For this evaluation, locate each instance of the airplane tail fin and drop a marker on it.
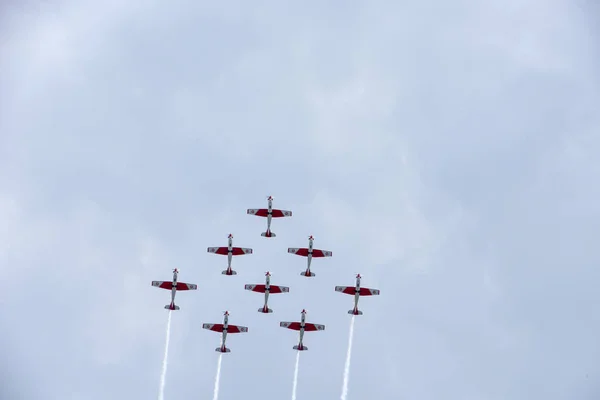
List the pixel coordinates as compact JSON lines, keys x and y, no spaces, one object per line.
{"x":300,"y":348}
{"x":268,"y":234}
{"x":229,"y":272}
{"x":265,"y":310}
{"x":355,"y":312}
{"x":307,"y":274}
{"x":220,"y":350}
{"x":172,"y":307}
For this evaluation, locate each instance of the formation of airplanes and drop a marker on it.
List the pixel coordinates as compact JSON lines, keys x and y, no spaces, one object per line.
{"x":267,"y":288}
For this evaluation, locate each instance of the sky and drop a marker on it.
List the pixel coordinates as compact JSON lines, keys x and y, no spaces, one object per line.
{"x":447,"y":152}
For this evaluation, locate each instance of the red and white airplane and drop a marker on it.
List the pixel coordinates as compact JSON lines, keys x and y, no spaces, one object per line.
{"x":229,"y":251}
{"x":174,"y":286}
{"x":357,"y":291}
{"x":302,"y":326}
{"x":225,"y":328}
{"x":310,"y":253}
{"x":269,"y":212}
{"x":266,"y":289}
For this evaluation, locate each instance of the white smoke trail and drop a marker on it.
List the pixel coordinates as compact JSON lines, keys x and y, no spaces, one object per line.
{"x":295,"y":385}
{"x":218,"y":378}
{"x":163,"y":374}
{"x":347,"y":366}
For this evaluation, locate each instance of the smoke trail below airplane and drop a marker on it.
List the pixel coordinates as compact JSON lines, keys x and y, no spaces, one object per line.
{"x":218,"y":378}
{"x":163,"y":374}
{"x":347,"y":366}
{"x":295,"y":385}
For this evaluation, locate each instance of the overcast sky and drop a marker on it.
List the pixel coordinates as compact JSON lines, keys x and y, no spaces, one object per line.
{"x":447,"y":151}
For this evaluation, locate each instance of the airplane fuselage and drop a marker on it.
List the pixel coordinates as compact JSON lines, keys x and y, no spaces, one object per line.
{"x":267,"y":290}
{"x":356,"y":294}
{"x":174,"y":288}
{"x":356,"y":297}
{"x":309,"y":256}
{"x":225,"y":327}
{"x":310,"y":251}
{"x":229,"y":254}
{"x":269,"y":215}
{"x":300,"y":345}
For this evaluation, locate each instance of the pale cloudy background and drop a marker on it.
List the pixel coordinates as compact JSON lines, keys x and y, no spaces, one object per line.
{"x":445,"y":150}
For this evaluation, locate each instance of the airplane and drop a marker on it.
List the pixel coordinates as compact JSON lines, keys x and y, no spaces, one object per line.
{"x":174,"y":286}
{"x":302,"y":327}
{"x":225,"y":328}
{"x":266,"y":289}
{"x":310,"y":253}
{"x":229,"y":251}
{"x":269,"y":212}
{"x":357,"y":291}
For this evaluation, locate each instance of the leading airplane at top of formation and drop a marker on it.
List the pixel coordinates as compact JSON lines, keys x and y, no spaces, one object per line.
{"x":266,"y":289}
{"x":229,"y":251}
{"x":302,"y":326}
{"x":269,"y":212}
{"x":309,"y":252}
{"x":173,"y":286}
{"x":357,"y":291}
{"x":225,"y":328}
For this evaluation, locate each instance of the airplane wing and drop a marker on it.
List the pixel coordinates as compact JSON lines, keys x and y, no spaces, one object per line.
{"x":259,"y":212}
{"x":313,"y":327}
{"x":163,"y":284}
{"x":186,"y":286}
{"x":218,"y":250}
{"x":238,"y":251}
{"x":235,"y":251}
{"x":236,"y":329}
{"x":290,"y":325}
{"x":279,"y":289}
{"x":303,"y":251}
{"x":368,"y":292}
{"x":346,"y":289}
{"x":255,"y":288}
{"x":274,"y":289}
{"x":321,"y":253}
{"x":280,"y":213}
{"x":352,"y":290}
{"x":213,"y":327}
